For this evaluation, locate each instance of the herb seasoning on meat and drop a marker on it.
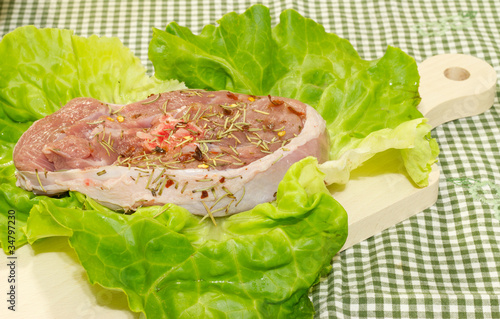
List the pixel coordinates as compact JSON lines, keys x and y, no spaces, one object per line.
{"x":214,"y":153}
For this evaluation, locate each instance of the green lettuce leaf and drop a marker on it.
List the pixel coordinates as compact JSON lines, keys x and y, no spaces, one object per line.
{"x":412,"y":138}
{"x":297,"y":58}
{"x":171,"y":264}
{"x":41,"y":70}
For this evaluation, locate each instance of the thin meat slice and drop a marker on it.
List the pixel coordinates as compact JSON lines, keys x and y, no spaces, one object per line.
{"x":213,"y":153}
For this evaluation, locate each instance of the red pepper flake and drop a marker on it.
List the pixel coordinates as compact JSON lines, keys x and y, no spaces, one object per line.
{"x":204,"y":194}
{"x":184,"y":157}
{"x":169,"y":183}
{"x":294,"y":111}
{"x":275,"y":102}
{"x":222,"y":179}
{"x":231,"y":95}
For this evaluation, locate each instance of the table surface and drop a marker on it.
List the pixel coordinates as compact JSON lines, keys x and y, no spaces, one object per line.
{"x":445,"y":261}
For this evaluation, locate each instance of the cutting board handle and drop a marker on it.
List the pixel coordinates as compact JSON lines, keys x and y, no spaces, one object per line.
{"x":454,"y":86}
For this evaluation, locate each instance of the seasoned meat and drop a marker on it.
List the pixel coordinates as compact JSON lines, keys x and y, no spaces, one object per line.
{"x":211,"y":152}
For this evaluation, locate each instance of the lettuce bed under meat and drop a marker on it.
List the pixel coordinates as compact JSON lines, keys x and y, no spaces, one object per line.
{"x":260,"y":263}
{"x":256,"y":264}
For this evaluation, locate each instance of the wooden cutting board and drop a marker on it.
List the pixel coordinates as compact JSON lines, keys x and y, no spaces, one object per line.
{"x":452,"y":86}
{"x":51,"y":283}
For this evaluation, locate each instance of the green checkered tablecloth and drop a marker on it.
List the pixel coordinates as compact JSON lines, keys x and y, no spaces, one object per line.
{"x":445,"y":261}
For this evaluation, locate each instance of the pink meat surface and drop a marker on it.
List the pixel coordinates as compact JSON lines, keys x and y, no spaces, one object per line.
{"x":211,"y":152}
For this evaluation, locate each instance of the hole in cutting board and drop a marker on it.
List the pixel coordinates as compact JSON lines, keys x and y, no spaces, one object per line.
{"x":456,"y":73}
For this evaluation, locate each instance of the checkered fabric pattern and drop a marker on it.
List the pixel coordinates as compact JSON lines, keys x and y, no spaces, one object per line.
{"x":445,"y":261}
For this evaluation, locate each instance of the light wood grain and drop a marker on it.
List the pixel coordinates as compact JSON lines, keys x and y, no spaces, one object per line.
{"x":377,"y":202}
{"x":52,"y":284}
{"x":454,"y":86}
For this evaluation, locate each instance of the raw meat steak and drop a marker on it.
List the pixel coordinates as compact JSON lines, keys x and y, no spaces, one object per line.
{"x":213,"y":153}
